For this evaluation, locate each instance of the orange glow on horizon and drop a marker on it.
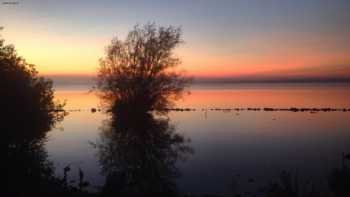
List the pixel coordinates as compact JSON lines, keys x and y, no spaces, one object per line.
{"x":79,"y":55}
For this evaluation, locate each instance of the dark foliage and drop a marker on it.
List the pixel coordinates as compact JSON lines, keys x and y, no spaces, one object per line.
{"x":139,"y":71}
{"x":289,"y":185}
{"x":339,"y":179}
{"x":27,"y":100}
{"x":28,"y":112}
{"x":138,"y":152}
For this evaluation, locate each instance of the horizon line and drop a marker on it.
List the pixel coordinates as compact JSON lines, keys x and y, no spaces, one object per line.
{"x":85,"y":79}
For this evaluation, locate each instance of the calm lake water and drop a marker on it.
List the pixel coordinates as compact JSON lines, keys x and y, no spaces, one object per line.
{"x":228,"y":146}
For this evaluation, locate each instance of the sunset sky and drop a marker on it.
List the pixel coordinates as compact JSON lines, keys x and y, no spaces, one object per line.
{"x":255,"y":38}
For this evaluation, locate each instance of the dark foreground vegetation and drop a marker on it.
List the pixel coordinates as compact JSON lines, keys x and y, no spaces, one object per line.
{"x":28,"y":112}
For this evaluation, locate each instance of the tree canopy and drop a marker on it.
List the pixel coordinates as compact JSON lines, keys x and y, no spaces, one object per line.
{"x":27,"y":100}
{"x":139,"y":71}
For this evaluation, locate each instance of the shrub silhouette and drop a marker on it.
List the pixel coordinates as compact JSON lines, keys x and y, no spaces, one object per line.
{"x":27,"y":100}
{"x":138,"y":151}
{"x":139,"y":71}
{"x":28,"y":112}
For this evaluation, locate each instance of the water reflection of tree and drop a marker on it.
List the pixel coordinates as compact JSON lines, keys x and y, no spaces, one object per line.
{"x":138,"y":154}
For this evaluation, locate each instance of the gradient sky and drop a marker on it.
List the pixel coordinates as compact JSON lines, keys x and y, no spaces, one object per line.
{"x":222,"y":38}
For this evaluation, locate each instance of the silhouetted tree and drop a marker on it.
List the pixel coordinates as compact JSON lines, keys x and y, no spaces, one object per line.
{"x":138,"y":152}
{"x":139,"y":71}
{"x":27,"y":113}
{"x":22,"y":90}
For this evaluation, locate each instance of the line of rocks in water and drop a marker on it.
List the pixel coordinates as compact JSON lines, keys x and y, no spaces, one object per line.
{"x":265,"y":109}
{"x":291,"y":109}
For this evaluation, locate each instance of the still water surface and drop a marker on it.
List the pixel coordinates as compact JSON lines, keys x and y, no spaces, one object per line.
{"x":227,"y":145}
